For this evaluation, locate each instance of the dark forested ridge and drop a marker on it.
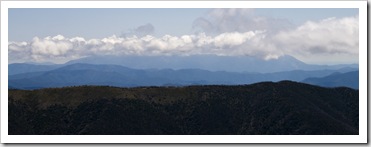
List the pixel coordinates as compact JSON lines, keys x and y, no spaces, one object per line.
{"x":265,"y":108}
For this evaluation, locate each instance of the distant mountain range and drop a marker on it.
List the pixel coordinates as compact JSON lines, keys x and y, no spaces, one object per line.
{"x":210,"y":62}
{"x":44,"y":76}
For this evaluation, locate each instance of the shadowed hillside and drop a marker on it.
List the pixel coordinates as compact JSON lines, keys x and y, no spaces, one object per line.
{"x":258,"y":109}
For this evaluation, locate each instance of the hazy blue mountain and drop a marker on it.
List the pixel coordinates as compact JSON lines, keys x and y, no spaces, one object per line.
{"x":348,"y":79}
{"x":18,"y":68}
{"x":77,"y":74}
{"x":209,"y":62}
{"x":116,"y":75}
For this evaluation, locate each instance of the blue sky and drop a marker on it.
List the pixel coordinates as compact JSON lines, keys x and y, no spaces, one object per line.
{"x":97,"y":23}
{"x":174,"y":31}
{"x":24,"y":24}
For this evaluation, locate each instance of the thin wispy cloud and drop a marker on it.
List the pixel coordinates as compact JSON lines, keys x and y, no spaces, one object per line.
{"x":240,"y":20}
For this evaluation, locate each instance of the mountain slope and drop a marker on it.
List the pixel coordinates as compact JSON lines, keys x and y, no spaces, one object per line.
{"x":348,"y":79}
{"x":258,"y":109}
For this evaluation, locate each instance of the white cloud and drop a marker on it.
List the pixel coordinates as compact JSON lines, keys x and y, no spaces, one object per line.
{"x":328,"y":36}
{"x":60,"y":47}
{"x":232,"y":39}
{"x":55,"y":46}
{"x":17,"y":46}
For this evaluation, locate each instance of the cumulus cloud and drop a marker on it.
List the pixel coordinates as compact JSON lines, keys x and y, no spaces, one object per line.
{"x":54,"y":46}
{"x":328,"y":36}
{"x":61,"y":48}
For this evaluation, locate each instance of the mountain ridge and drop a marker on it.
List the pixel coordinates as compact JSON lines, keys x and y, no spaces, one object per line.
{"x":266,"y":108}
{"x":116,"y":75}
{"x":209,"y":62}
{"x":349,"y":79}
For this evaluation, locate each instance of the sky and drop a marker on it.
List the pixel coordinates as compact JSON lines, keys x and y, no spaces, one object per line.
{"x":316,"y":36}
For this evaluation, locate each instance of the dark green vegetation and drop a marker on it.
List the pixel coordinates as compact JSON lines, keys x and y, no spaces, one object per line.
{"x":258,"y":109}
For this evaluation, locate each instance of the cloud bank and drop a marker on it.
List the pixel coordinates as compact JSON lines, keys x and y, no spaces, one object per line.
{"x":224,"y":32}
{"x":61,"y":48}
